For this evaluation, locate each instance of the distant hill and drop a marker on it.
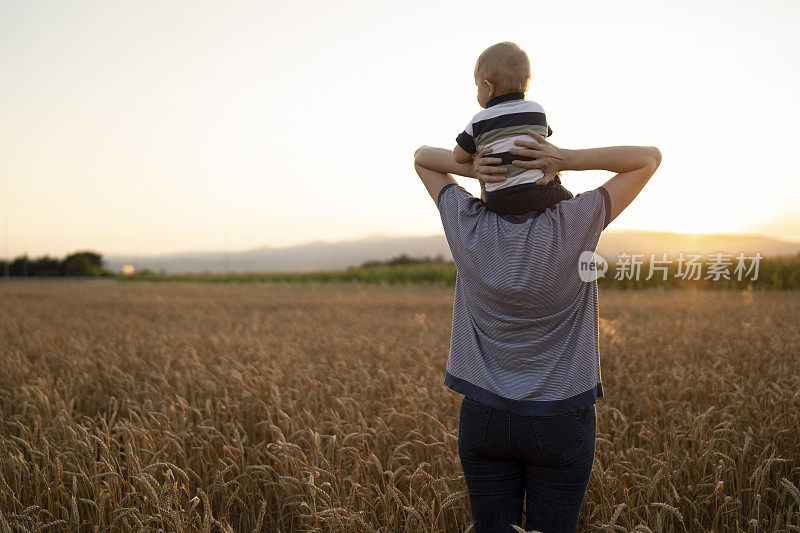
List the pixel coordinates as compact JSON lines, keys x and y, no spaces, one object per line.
{"x":613,"y":243}
{"x":319,"y":255}
{"x":322,"y":255}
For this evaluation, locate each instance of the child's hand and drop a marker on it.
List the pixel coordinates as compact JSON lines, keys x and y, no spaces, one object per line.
{"x":483,"y":191}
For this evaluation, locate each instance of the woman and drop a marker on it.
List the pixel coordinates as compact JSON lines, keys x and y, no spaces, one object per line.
{"x":524,"y":345}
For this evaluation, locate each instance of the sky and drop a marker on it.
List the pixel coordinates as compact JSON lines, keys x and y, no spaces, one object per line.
{"x":154,"y":127}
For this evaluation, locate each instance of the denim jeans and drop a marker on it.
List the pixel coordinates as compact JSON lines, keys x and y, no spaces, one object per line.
{"x":507,"y":457}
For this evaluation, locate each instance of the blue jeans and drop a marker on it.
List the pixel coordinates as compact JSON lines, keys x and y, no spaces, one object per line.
{"x":507,"y":457}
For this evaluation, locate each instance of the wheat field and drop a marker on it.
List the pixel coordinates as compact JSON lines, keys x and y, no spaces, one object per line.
{"x":258,"y":407}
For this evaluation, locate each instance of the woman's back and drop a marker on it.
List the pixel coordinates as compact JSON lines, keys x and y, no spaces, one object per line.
{"x":524,"y":348}
{"x":525,"y":327}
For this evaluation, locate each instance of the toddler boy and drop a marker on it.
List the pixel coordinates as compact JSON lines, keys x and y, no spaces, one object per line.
{"x":502,"y":75}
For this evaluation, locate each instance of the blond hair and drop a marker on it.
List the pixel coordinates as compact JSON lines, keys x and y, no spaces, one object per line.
{"x":506,"y":65}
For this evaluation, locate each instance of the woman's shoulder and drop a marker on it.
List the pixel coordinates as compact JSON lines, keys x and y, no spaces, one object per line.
{"x":455,"y":197}
{"x":589,"y":207}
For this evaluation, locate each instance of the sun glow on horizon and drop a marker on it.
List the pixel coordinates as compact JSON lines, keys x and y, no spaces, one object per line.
{"x":144,"y":131}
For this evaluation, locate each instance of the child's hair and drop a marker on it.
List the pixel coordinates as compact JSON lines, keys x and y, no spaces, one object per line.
{"x":506,"y":65}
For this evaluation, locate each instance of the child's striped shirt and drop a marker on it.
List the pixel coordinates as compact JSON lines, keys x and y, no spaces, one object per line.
{"x":505,"y":119}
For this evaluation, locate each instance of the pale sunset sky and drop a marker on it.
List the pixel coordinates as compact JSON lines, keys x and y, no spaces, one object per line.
{"x":152,"y":127}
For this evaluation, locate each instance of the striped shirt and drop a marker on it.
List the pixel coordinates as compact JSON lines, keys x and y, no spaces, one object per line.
{"x":525,"y":327}
{"x":505,"y":119}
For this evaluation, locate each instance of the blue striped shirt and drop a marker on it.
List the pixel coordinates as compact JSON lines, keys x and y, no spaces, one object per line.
{"x":525,"y":327}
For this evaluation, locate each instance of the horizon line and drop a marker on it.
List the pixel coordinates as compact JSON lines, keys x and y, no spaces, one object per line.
{"x":420,"y":235}
{"x":387,"y":236}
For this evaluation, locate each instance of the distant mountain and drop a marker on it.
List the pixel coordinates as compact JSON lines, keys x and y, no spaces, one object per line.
{"x":319,"y":255}
{"x":322,"y":255}
{"x":613,"y":243}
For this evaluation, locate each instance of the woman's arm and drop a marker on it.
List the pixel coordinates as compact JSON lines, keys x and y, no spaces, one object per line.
{"x":461,"y":155}
{"x":441,"y":160}
{"x":434,"y":166}
{"x":634,"y":165}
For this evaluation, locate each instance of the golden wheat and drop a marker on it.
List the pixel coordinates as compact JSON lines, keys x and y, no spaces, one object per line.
{"x":321,"y":408}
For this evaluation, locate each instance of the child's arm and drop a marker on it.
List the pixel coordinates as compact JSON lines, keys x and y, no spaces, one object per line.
{"x":465,"y":148}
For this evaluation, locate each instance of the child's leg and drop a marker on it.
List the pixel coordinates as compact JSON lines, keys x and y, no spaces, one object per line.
{"x":527,"y":197}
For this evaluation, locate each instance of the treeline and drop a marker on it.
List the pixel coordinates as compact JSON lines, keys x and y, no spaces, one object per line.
{"x":436,"y":273}
{"x":84,"y":263}
{"x":773,"y":274}
{"x":403,"y":260}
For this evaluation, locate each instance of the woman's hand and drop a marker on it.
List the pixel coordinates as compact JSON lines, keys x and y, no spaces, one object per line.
{"x":485,"y":168}
{"x":547,"y":157}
